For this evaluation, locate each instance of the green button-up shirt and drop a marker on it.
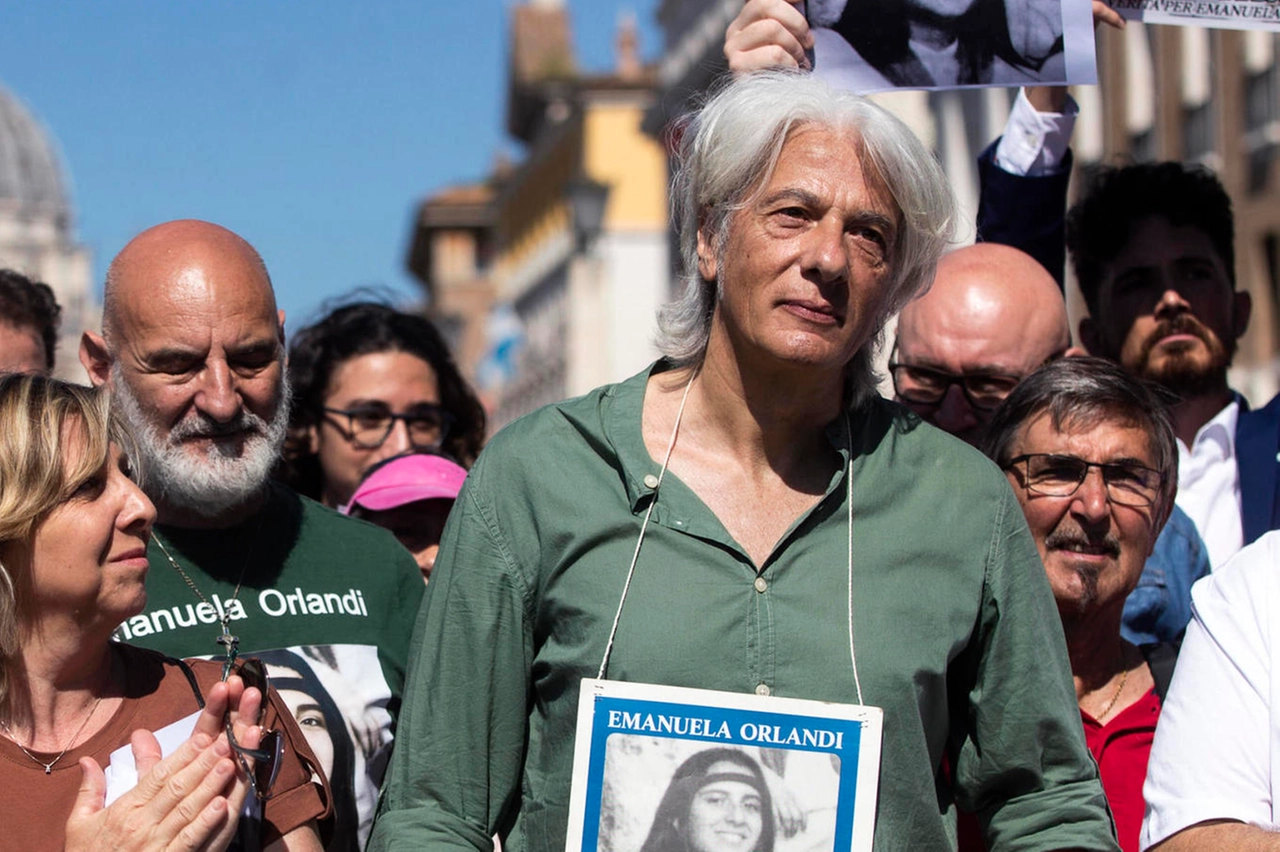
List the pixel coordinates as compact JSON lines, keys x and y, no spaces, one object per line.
{"x":956,"y":632}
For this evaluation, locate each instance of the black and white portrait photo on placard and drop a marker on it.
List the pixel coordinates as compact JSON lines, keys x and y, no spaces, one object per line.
{"x":944,"y":44}
{"x":672,"y":795}
{"x":670,"y":769}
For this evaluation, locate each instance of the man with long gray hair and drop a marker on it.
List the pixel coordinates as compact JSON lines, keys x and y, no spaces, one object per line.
{"x":735,"y":516}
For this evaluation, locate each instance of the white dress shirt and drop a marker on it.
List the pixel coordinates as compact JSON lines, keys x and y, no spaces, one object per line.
{"x":1034,"y":143}
{"x":1209,"y":485}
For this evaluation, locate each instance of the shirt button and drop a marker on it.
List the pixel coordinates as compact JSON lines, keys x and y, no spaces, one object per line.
{"x":650,"y":481}
{"x":762,"y":689}
{"x":761,"y":585}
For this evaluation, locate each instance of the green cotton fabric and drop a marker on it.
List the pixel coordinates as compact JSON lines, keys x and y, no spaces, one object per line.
{"x":956,"y":632}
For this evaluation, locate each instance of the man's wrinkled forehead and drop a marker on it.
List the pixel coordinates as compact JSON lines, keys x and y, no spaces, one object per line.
{"x":190,"y":272}
{"x":796,"y":141}
{"x":200,"y":304}
{"x":1070,"y":425}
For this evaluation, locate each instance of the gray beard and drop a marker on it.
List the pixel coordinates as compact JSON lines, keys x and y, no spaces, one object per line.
{"x":208,"y":484}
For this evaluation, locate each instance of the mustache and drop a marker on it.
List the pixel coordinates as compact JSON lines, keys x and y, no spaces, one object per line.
{"x":199,"y":426}
{"x":1064,"y":539}
{"x":1178,"y":324}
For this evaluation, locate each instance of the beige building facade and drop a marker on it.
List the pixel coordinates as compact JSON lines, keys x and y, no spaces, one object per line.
{"x":541,"y":303}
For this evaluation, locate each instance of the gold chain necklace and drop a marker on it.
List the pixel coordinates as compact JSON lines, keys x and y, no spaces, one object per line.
{"x":1116,"y":697}
{"x":226,"y":639}
{"x":48,"y":767}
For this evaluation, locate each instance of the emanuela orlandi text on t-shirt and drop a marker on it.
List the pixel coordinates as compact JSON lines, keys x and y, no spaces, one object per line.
{"x":270,"y":603}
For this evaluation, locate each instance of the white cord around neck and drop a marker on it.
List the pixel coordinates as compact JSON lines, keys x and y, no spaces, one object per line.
{"x":848,"y":499}
{"x":644,"y":526}
{"x":635,"y":557}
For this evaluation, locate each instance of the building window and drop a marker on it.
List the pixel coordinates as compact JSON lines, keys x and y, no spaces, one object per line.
{"x":1140,"y":91}
{"x":1197,"y":132}
{"x":1261,"y":124}
{"x":1142,"y":146}
{"x":1271,"y":258}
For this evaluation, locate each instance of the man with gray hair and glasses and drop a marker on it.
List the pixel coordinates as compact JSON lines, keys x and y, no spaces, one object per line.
{"x":790,"y":510}
{"x":1089,"y":450}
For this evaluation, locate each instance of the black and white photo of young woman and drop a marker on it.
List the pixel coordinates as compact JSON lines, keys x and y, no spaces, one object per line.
{"x":881,"y":44}
{"x":676,"y":795}
{"x":326,"y":731}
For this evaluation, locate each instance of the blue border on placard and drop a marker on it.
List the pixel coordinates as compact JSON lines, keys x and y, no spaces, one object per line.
{"x":736,"y":719}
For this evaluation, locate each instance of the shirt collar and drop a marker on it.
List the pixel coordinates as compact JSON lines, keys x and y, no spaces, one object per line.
{"x":1221,"y":431}
{"x":640,"y":471}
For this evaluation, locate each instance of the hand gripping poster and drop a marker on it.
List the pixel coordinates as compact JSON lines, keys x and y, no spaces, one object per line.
{"x":670,"y":769}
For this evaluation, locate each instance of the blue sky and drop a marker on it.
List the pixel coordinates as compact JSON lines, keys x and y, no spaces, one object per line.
{"x":311,"y":128}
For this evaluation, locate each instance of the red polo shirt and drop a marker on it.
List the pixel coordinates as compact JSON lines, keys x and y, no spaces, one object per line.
{"x":1121,"y":748}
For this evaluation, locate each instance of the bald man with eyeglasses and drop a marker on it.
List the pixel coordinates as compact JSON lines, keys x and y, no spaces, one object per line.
{"x":992,"y":316}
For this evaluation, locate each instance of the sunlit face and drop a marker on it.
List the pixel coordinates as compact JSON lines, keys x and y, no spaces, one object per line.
{"x":804,"y":273}
{"x":389,"y":381}
{"x":418,"y":526}
{"x":1167,"y":311}
{"x":21,"y":350}
{"x":199,"y":379}
{"x":1092,"y":547}
{"x":87,"y":558}
{"x":725,"y":815}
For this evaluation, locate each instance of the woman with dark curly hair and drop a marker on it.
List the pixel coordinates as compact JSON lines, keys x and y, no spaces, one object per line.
{"x":717,"y":801}
{"x":368,"y":383}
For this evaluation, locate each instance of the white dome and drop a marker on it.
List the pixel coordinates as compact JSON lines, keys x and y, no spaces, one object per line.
{"x":30,"y":179}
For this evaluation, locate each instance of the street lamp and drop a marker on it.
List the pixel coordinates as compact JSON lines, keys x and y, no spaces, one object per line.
{"x":587,"y":200}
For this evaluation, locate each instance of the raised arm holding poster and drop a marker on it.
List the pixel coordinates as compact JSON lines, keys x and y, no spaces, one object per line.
{"x":949,"y":44}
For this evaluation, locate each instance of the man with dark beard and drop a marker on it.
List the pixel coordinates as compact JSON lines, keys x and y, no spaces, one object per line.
{"x":192,"y":348}
{"x":1152,"y":247}
{"x":1091,"y":456}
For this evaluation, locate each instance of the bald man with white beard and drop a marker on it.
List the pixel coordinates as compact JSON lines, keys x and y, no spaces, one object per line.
{"x":192,"y":348}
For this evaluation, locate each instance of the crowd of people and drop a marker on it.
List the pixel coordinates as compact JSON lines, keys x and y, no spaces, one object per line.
{"x":1049,"y":566}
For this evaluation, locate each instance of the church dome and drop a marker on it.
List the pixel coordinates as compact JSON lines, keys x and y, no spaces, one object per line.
{"x":30,"y":181}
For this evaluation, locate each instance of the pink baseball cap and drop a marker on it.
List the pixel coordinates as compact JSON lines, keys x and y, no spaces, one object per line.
{"x":408,"y":479}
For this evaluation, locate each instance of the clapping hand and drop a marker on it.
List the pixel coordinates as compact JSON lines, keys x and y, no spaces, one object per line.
{"x":188,"y":800}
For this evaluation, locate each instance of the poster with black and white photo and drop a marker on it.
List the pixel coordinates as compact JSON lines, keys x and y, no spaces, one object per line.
{"x":671,"y":769}
{"x":877,"y":45}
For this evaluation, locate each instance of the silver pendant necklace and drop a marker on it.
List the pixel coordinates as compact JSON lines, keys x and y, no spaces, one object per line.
{"x":48,"y":767}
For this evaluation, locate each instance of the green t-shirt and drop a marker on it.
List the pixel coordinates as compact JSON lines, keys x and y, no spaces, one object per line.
{"x":328,"y":602}
{"x":957,"y":635}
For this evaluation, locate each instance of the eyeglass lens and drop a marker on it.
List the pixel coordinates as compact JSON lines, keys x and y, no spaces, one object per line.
{"x":370,"y":426}
{"x":928,"y":387}
{"x":266,"y":757}
{"x":1061,"y":476}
